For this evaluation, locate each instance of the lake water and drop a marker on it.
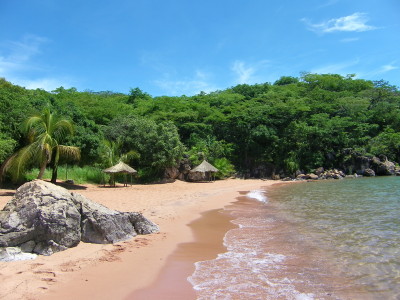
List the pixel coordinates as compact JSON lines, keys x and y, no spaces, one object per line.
{"x":336,"y":239}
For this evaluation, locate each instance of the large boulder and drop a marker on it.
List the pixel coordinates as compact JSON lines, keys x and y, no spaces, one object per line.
{"x":369,"y":173}
{"x":43,"y":213}
{"x":44,"y":218}
{"x":360,"y":164}
{"x":171,"y":173}
{"x":383,"y":166}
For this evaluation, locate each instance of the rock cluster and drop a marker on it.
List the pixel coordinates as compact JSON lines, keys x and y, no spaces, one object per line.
{"x":320,"y":173}
{"x":355,"y":162}
{"x":43,"y":218}
{"x":181,"y":172}
{"x":397,"y":171}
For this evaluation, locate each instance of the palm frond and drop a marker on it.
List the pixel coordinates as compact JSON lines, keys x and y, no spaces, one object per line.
{"x":69,"y":152}
{"x":34,"y":126}
{"x":17,"y":163}
{"x":131,"y":155}
{"x":62,"y":128}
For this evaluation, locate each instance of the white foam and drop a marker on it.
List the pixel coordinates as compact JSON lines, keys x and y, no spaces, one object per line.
{"x":302,"y":296}
{"x":258,"y":195}
{"x":14,"y":254}
{"x":247,"y":269}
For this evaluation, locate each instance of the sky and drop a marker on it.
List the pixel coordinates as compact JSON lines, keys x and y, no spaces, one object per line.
{"x":184,"y":47}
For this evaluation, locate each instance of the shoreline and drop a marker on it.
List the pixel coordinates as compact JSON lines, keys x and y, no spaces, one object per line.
{"x":208,"y":241}
{"x":118,"y":270}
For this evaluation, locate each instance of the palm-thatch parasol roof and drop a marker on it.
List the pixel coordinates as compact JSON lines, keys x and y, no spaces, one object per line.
{"x":120,"y":168}
{"x":205,"y":167}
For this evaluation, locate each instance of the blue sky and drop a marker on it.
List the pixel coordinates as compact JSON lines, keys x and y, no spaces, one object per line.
{"x":178,"y":47}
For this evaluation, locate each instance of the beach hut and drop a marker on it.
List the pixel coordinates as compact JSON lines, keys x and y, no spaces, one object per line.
{"x":206,"y":168}
{"x":120,"y":168}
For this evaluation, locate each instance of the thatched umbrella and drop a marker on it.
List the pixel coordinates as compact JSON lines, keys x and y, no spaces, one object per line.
{"x":120,"y":168}
{"x":206,"y":168}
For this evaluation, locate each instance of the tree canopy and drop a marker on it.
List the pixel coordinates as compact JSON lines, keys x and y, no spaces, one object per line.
{"x":294,"y":123}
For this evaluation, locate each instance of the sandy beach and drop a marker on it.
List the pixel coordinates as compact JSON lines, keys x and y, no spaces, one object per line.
{"x":124,"y":270}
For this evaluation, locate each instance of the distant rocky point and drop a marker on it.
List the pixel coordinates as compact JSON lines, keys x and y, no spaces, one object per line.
{"x":43,"y":218}
{"x":354,"y":165}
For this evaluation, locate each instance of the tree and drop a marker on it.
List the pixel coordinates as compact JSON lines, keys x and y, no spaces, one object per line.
{"x":111,"y":153}
{"x":284,"y":80}
{"x":137,"y":93}
{"x":44,"y":133}
{"x":388,"y":143}
{"x":157,"y":144}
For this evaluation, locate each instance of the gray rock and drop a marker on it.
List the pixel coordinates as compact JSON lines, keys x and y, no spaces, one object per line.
{"x":28,"y":246}
{"x":369,"y":173}
{"x":41,"y":212}
{"x":48,"y":248}
{"x":359,"y":163}
{"x":302,"y":177}
{"x":275,"y":177}
{"x":384,"y":167}
{"x":141,"y":224}
{"x":44,"y":218}
{"x":102,"y":225}
{"x":313,"y":176}
{"x":287,"y":179}
{"x":319,"y":171}
{"x":171,"y":173}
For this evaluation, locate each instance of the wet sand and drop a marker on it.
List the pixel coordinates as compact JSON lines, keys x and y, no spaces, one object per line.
{"x":208,"y":233}
{"x":120,"y":270}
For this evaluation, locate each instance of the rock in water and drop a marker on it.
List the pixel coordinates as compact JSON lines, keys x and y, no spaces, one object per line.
{"x":44,"y":218}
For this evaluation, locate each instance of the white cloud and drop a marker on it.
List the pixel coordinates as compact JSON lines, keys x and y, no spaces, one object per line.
{"x":242,"y":72}
{"x":387,"y":68}
{"x":328,"y":3}
{"x":349,"y":40}
{"x":353,"y":23}
{"x":47,"y":84}
{"x":17,"y":59}
{"x":245,"y":73}
{"x":378,"y":71}
{"x":338,"y":68}
{"x":200,"y":82}
{"x":18,"y":54}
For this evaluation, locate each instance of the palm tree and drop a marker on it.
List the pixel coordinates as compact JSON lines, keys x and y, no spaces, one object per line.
{"x":44,"y":132}
{"x":112,"y":153}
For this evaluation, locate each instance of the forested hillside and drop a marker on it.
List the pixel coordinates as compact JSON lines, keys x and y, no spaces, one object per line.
{"x":294,"y":123}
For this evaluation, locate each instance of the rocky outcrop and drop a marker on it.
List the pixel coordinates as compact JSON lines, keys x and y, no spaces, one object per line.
{"x":320,"y":173}
{"x":397,"y":171}
{"x":355,"y":162}
{"x":382,"y":166}
{"x":44,"y":218}
{"x":171,"y":173}
{"x":181,"y":171}
{"x":368,"y":172}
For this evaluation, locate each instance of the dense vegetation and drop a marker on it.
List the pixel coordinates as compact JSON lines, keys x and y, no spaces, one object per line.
{"x":294,"y":123}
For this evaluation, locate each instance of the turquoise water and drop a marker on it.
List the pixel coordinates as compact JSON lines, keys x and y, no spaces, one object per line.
{"x":354,"y":221}
{"x":336,"y":239}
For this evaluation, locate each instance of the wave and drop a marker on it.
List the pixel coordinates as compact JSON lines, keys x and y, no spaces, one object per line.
{"x":258,"y":195}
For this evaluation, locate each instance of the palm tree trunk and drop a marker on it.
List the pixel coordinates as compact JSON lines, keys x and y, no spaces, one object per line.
{"x":54,"y":174}
{"x":42,"y":169}
{"x":46,"y":160}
